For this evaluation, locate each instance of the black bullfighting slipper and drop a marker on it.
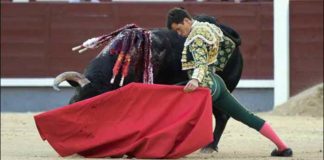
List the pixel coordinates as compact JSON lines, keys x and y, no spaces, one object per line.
{"x":285,"y":153}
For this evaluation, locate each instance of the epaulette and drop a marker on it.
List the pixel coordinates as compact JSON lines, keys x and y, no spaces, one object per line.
{"x":207,"y":32}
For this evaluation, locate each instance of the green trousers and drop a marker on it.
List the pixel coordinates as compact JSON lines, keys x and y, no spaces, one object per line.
{"x":224,"y":101}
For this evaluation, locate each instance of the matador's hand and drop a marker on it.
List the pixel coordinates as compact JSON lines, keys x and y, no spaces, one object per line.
{"x":191,"y":85}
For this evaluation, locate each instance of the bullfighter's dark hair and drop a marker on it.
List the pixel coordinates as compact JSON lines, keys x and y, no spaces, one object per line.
{"x":177,"y":15}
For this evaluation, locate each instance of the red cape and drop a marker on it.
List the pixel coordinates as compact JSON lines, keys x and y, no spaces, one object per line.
{"x":139,"y":120}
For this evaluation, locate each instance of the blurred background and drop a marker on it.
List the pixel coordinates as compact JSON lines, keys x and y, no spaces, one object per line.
{"x":37,"y":37}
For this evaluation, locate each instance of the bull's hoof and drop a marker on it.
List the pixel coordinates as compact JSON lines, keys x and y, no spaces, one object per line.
{"x":208,"y":150}
{"x":117,"y":156}
{"x":285,"y":153}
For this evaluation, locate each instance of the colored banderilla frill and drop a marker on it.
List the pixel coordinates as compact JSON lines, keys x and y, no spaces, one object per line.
{"x":130,"y":43}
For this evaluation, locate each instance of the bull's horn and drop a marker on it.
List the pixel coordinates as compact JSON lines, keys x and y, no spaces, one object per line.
{"x":71,"y":76}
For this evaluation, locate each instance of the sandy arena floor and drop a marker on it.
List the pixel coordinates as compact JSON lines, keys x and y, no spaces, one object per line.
{"x":20,"y":139}
{"x":299,"y":122}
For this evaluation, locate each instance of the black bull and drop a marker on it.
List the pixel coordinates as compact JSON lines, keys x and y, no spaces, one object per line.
{"x":166,"y":54}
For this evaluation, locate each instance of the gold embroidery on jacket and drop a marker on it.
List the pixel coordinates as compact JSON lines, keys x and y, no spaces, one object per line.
{"x":206,"y":50}
{"x":206,"y":34}
{"x":226,"y":49}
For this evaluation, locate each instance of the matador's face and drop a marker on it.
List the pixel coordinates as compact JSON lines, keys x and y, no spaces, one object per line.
{"x":183,"y":28}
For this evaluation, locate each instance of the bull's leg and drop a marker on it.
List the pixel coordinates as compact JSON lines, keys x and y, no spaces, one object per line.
{"x":221,"y":121}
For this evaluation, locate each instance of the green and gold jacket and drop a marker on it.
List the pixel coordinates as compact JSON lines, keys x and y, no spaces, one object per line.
{"x":206,"y":50}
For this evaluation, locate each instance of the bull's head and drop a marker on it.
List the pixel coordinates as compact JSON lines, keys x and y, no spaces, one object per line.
{"x":78,"y":81}
{"x":74,"y":78}
{"x":157,"y":50}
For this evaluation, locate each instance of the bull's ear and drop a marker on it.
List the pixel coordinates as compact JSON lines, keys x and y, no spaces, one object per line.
{"x":206,"y":18}
{"x":73,"y":83}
